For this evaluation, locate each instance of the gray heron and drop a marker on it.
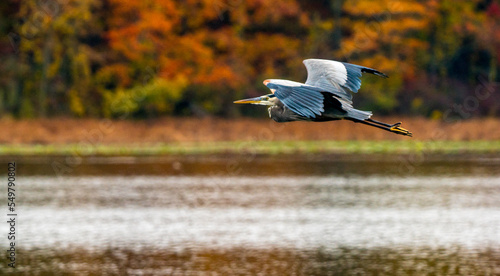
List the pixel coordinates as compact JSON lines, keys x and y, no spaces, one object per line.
{"x":325,"y":96}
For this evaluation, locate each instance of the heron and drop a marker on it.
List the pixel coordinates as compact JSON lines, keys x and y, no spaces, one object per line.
{"x":325,"y":96}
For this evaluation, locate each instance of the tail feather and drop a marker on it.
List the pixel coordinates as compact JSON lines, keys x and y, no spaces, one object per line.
{"x":352,"y":112}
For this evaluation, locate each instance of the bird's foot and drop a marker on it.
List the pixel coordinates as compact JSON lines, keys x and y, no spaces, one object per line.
{"x":396,"y":128}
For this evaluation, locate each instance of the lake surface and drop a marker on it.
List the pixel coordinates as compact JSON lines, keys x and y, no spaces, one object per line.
{"x":316,"y":215}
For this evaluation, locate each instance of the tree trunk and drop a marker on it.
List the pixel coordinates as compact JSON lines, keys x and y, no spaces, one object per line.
{"x":44,"y":81}
{"x":336,"y":7}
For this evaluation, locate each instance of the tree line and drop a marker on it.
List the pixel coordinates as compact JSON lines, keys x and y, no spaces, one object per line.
{"x":142,"y":59}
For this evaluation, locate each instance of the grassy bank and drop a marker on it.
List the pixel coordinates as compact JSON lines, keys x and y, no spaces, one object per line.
{"x":256,"y":147}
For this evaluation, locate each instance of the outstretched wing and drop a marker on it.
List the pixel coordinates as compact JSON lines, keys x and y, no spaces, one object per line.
{"x":305,"y":100}
{"x":336,"y":77}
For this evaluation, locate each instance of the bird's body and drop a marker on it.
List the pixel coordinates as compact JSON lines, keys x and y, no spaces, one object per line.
{"x":325,"y":96}
{"x":333,"y":111}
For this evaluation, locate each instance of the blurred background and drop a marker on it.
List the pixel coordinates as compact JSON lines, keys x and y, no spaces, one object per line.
{"x":131,"y":158}
{"x":146,"y":59}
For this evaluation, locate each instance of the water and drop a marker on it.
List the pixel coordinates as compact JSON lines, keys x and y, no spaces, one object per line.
{"x":270,"y":215}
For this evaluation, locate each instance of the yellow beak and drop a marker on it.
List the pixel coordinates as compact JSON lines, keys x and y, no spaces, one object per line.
{"x":249,"y":101}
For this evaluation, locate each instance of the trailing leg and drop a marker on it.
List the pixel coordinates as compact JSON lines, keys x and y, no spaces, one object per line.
{"x":384,"y":124}
{"x":395,"y":128}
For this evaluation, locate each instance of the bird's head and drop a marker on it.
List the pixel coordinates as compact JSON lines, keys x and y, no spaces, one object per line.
{"x":269,"y":99}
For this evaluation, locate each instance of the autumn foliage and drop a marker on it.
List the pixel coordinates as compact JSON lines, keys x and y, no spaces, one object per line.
{"x":123,"y":58}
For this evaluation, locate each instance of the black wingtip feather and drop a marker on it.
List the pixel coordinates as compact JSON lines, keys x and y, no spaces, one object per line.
{"x":375,"y":72}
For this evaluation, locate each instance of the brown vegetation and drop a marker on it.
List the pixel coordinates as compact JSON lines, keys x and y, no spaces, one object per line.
{"x":170,"y":129}
{"x":250,"y":261}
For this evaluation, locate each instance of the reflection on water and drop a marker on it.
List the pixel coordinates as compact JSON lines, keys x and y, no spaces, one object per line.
{"x":300,"y":212}
{"x":301,"y":223}
{"x":251,"y":165}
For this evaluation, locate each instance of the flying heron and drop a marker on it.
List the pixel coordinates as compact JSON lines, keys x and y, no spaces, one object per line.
{"x":325,"y":96}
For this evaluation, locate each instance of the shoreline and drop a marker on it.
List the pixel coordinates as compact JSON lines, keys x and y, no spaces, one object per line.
{"x":322,"y":147}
